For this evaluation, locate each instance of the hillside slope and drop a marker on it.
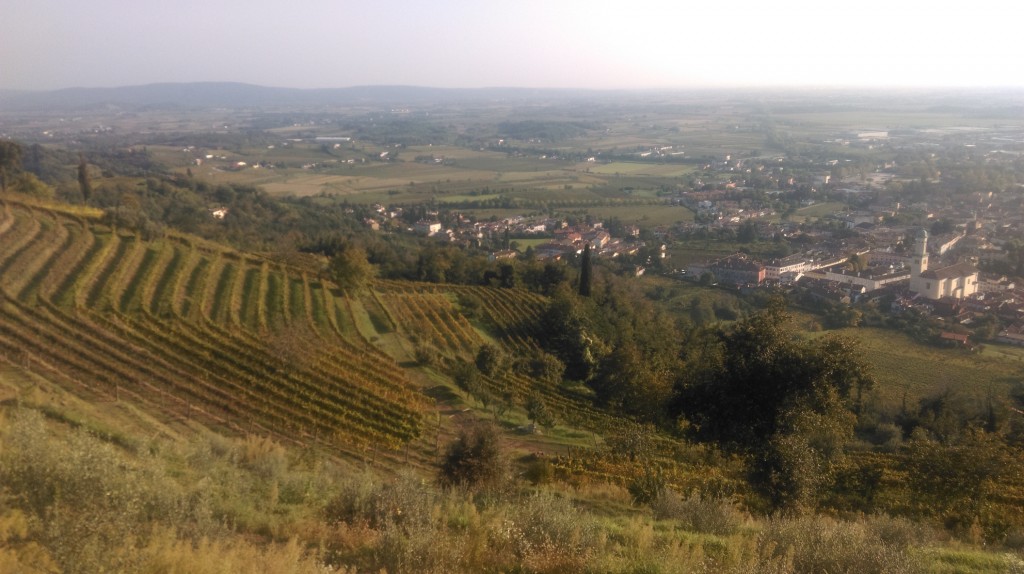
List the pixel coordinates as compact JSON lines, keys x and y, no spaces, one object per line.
{"x":192,"y":330}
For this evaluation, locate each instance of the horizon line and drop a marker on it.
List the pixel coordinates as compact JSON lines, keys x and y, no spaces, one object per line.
{"x":677,"y":88}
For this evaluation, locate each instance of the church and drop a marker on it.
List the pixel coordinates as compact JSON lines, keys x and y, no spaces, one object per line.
{"x":957,"y":281}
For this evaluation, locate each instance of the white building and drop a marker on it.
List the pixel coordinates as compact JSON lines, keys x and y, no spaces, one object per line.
{"x":958,"y":281}
{"x":427,"y":227}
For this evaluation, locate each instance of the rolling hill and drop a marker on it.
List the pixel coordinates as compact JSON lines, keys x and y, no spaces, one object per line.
{"x":192,"y":331}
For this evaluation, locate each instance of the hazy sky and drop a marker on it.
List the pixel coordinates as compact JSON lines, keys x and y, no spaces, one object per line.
{"x":46,"y":44}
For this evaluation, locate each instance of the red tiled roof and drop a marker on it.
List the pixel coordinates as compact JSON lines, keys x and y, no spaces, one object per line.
{"x":946,"y":335}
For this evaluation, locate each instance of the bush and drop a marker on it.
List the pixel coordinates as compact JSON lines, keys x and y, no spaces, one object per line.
{"x":888,"y":436}
{"x":819,"y":544}
{"x":699,"y":514}
{"x":538,"y":471}
{"x":545,"y":533}
{"x":474,"y":459}
{"x":898,"y":531}
{"x":646,"y":487}
{"x":426,"y":354}
{"x":356,"y":501}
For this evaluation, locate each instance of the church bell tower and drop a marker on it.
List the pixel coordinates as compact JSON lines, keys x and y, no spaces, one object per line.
{"x":919,"y":263}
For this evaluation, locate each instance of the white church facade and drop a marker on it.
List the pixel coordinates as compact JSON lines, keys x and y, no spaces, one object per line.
{"x":957,"y":281}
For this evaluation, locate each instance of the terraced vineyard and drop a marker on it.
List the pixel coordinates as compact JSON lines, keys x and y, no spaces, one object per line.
{"x":194,"y":331}
{"x":429,"y":315}
{"x":431,"y":312}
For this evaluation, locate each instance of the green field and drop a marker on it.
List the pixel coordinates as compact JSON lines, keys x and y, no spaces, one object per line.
{"x":909,"y":370}
{"x":645,"y":216}
{"x":523,"y":244}
{"x":819,"y":210}
{"x":637,"y":168}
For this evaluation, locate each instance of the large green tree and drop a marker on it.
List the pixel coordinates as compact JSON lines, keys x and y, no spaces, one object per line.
{"x":567,"y":331}
{"x":489,"y":359}
{"x":748,"y":375}
{"x":350,"y":268}
{"x":630,"y":383}
{"x":785,"y":402}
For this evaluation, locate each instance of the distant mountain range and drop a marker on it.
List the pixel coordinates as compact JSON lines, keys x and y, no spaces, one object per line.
{"x":237,"y":95}
{"x":233,"y":95}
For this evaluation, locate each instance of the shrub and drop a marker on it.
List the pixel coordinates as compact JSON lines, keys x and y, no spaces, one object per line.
{"x":94,"y":504}
{"x":413,"y":519}
{"x":545,"y":533}
{"x":898,"y":531}
{"x":538,"y":471}
{"x":422,"y":548}
{"x":537,"y":410}
{"x":356,"y":500}
{"x":474,"y":458}
{"x":265,"y":458}
{"x":426,"y":354}
{"x":167,"y":554}
{"x":489,"y":359}
{"x":708,"y":515}
{"x":646,"y":487}
{"x":819,"y":544}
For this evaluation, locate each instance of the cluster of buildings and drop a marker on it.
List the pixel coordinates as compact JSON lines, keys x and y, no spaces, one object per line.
{"x":929,"y":277}
{"x":563,"y":240}
{"x":853,"y":273}
{"x":570,"y":241}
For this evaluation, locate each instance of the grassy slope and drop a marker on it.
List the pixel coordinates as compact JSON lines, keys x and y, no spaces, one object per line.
{"x":252,"y":505}
{"x":905,"y":368}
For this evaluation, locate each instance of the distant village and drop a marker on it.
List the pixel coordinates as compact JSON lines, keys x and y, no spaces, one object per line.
{"x":936,"y":275}
{"x":879,"y":250}
{"x":562,"y":239}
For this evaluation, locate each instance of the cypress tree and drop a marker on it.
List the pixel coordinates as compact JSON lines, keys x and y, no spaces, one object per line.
{"x":83,"y":179}
{"x":586,"y":272}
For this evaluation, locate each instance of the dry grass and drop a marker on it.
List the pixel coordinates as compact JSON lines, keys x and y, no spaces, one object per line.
{"x":75,"y":503}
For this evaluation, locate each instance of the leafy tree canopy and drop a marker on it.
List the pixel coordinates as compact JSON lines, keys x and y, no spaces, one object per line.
{"x":748,"y":377}
{"x":350,"y":269}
